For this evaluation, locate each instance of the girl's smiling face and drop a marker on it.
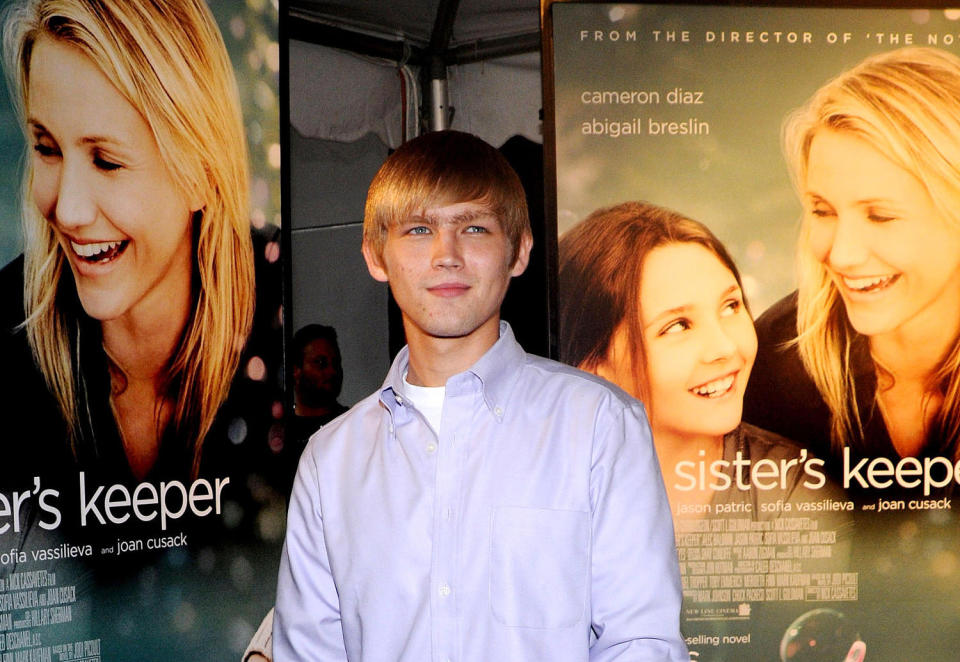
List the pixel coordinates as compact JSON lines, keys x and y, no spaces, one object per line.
{"x":100,"y":181}
{"x":700,"y":342}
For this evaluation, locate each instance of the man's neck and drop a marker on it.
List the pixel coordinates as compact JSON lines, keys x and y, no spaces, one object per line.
{"x":434,"y":360}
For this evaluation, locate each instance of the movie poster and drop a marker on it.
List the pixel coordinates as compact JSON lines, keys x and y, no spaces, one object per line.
{"x":142,"y":483}
{"x":704,"y":219}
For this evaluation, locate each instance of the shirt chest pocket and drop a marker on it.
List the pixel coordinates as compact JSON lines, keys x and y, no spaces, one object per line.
{"x":539,"y":566}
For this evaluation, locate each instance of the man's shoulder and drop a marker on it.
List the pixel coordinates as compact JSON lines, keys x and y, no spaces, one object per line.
{"x":361,"y":416}
{"x":551,"y":379}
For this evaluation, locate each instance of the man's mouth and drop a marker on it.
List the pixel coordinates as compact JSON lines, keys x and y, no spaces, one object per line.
{"x":869,"y":283}
{"x":448,"y":289}
{"x":716,"y":388}
{"x":99,"y":252}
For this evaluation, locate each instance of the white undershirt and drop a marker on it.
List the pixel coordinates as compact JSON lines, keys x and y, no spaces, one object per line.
{"x":428,"y":400}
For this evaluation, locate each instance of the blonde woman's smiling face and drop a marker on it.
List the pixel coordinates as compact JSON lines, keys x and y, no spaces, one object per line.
{"x":700,"y":342}
{"x":100,"y":181}
{"x":893,"y":257}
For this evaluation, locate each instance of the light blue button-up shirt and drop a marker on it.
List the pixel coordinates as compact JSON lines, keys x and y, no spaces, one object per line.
{"x":533,"y":527}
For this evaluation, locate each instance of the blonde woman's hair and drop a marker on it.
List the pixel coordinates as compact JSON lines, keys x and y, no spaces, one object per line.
{"x":905,"y":104}
{"x":168,"y":60}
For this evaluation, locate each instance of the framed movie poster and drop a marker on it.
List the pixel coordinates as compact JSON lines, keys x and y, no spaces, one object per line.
{"x":758,"y":237}
{"x":142,"y":485}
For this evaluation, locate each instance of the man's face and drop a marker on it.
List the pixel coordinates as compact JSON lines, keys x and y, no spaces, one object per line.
{"x":319,"y":378}
{"x":449,"y":268}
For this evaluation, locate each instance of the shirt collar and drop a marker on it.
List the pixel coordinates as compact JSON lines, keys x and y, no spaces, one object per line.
{"x":496,"y":371}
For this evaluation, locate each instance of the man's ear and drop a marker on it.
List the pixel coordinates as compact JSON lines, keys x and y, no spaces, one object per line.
{"x":374,"y":263}
{"x":523,"y":254}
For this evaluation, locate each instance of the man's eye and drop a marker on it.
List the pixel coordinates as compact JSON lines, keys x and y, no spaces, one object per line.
{"x":420,"y":229}
{"x":477,"y":229}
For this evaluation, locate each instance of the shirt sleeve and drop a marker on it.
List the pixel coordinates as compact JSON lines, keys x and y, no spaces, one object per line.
{"x":262,"y":641}
{"x":635,"y":576}
{"x":307,"y":621}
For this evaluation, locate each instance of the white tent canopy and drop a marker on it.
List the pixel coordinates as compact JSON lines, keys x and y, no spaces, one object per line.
{"x":414,"y":21}
{"x":357,"y":72}
{"x":355,"y":65}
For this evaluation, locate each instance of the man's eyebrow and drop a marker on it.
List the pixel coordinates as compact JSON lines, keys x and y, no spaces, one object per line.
{"x":471,"y":215}
{"x":466,"y":216}
{"x":430,"y":219}
{"x":418,"y":219}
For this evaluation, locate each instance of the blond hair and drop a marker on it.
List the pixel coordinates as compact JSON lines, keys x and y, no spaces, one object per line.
{"x":168,"y":60}
{"x":443,"y":168}
{"x":906,"y":104}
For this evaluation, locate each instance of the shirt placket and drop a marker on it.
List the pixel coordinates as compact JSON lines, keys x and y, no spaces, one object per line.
{"x":444,"y":576}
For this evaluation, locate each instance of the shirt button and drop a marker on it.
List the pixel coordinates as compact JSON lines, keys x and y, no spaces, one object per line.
{"x":399,"y":399}
{"x":448,"y":513}
{"x":431,"y":447}
{"x":444,"y":590}
{"x":498,"y":411}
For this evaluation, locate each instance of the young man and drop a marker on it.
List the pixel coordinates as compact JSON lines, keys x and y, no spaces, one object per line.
{"x":484,"y":505}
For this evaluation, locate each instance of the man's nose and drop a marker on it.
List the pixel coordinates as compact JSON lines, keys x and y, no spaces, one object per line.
{"x":446,"y":248}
